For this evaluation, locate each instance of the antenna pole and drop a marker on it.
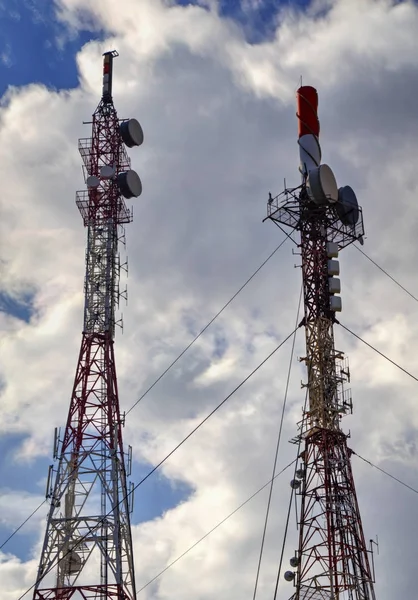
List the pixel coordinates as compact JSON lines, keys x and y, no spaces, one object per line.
{"x":332,"y":560}
{"x":87,"y":551}
{"x":108,"y":75}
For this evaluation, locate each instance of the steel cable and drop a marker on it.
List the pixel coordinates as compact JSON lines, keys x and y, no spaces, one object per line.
{"x":277,"y":450}
{"x":22,"y":524}
{"x":80,"y":541}
{"x":386,"y":273}
{"x":288,"y":512}
{"x":253,"y":496}
{"x":178,"y":357}
{"x":378,"y":351}
{"x":386,"y":473}
{"x":208,"y":324}
{"x":214,"y":528}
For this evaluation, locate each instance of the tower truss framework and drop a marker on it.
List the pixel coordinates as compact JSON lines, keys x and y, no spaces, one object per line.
{"x":87,"y":551}
{"x":332,"y":560}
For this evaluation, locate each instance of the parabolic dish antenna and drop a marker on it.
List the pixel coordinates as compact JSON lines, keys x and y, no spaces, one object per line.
{"x":347,"y":206}
{"x":92,"y":181}
{"x":107,"y":172}
{"x":322,"y":186}
{"x":131,"y":132}
{"x":130,"y":184}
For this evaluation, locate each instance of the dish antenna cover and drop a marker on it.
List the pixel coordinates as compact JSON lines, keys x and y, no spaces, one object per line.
{"x":92,"y":181}
{"x":131,"y":132}
{"x":130,"y":184}
{"x":107,"y":172}
{"x":322,"y":186}
{"x":309,"y":153}
{"x":347,"y":206}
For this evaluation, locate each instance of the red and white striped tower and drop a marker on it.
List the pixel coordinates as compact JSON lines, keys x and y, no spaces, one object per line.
{"x":87,"y":551}
{"x":332,"y":559}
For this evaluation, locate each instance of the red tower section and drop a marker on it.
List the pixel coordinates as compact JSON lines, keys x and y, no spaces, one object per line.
{"x":332,"y":560}
{"x":87,"y":551}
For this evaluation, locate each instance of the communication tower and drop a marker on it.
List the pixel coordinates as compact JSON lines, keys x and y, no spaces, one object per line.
{"x":332,"y":559}
{"x":87,"y":550}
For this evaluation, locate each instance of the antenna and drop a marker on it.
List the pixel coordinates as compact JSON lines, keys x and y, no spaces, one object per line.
{"x":332,"y":559}
{"x":56,"y":443}
{"x":108,"y":75}
{"x":87,"y":551}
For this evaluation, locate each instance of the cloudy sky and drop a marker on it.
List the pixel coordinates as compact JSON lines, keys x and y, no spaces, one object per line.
{"x":213,"y":83}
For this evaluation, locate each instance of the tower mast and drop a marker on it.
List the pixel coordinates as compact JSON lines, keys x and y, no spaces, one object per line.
{"x":332,"y":559}
{"x":87,"y":551}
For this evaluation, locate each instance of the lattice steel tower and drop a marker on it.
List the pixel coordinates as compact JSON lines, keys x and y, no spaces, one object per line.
{"x":87,"y":551}
{"x":332,"y":559}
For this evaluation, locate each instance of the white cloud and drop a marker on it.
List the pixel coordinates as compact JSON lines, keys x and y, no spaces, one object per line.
{"x":220,"y":132}
{"x":15,"y":508}
{"x":6,"y":57}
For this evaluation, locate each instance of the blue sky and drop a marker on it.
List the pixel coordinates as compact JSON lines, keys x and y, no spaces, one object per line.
{"x":48,"y":53}
{"x":231,"y":456}
{"x":24,"y":478}
{"x":20,"y":308}
{"x":152,"y":498}
{"x":257,"y":17}
{"x":47,"y":56}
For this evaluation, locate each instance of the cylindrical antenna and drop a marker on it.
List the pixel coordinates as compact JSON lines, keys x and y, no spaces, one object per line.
{"x":108,"y":74}
{"x":308,"y":129}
